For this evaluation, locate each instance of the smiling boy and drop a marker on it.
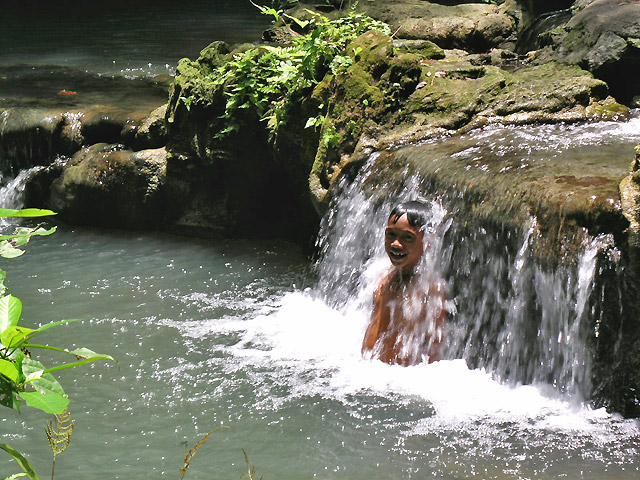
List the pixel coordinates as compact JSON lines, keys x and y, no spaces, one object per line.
{"x":408,"y":311}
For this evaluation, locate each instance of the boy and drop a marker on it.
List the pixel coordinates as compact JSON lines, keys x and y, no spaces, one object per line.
{"x":408,"y":310}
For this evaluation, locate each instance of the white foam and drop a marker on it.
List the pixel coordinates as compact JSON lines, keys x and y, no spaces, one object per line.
{"x":316,"y":350}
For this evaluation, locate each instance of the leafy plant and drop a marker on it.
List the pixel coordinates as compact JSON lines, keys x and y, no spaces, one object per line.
{"x":20,"y":460}
{"x":23,"y":378}
{"x":269,"y":80}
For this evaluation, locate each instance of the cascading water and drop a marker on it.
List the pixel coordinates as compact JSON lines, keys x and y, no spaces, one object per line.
{"x":523,"y":323}
{"x":12,"y":193}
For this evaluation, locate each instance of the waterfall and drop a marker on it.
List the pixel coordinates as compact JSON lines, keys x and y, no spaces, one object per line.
{"x":523,"y":322}
{"x":12,"y":193}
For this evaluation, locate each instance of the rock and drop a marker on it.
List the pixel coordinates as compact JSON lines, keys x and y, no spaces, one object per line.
{"x":630,"y":196}
{"x":151,"y":133}
{"x":425,"y":48}
{"x":603,"y":37}
{"x":472,"y":26}
{"x":106,"y":186}
{"x":387,"y":92}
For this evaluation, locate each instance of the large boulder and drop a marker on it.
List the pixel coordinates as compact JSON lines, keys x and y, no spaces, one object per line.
{"x":107,"y":186}
{"x":602,"y":36}
{"x":474,"y":26}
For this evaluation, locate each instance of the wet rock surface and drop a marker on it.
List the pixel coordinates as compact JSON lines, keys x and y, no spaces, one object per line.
{"x":601,"y":36}
{"x":50,"y":111}
{"x":107,"y":186}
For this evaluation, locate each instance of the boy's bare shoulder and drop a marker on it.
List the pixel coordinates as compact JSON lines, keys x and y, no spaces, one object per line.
{"x":438,"y":287}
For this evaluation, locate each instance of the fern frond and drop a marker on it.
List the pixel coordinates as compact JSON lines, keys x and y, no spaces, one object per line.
{"x":191,"y":453}
{"x":58,"y":431}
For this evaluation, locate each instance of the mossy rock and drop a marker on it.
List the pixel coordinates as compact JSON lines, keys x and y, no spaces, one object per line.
{"x":373,"y":50}
{"x":425,"y":48}
{"x":106,"y":186}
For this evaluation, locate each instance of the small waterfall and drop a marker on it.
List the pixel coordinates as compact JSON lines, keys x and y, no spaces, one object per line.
{"x":523,"y":322}
{"x":351,"y":240}
{"x":12,"y":192}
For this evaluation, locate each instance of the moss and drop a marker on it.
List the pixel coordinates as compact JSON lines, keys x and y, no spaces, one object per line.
{"x":212,"y":56}
{"x":607,"y":109}
{"x":424,"y":48}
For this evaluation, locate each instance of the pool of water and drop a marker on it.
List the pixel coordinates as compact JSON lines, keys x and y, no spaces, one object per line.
{"x":122,"y":38}
{"x":234,"y":334}
{"x":120,"y":53}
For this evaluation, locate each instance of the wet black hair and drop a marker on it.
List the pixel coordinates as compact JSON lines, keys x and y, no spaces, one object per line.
{"x":418,"y":213}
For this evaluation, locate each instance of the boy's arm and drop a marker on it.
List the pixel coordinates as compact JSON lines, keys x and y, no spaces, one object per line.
{"x":373,"y":329}
{"x":375,"y":326}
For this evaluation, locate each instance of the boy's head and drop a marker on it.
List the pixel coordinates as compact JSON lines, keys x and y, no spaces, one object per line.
{"x":417,"y":213}
{"x":404,"y":235}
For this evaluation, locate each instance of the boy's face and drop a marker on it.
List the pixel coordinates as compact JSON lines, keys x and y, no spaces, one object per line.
{"x":403,"y":243}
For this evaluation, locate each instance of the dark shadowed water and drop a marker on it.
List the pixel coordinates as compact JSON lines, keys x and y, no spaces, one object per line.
{"x":122,"y":38}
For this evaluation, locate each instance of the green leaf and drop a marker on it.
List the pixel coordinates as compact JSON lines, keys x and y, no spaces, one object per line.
{"x":25,"y":213}
{"x":10,"y":310}
{"x":50,"y":402}
{"x":23,"y":462}
{"x":13,"y":336}
{"x":9,"y":370}
{"x":84,"y":356}
{"x":45,"y":383}
{"x":8,"y":395}
{"x":16,"y":475}
{"x":302,"y":23}
{"x":9,"y":251}
{"x":33,"y":333}
{"x":23,"y":234}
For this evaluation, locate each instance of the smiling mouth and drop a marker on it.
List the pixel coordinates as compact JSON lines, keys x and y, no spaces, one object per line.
{"x":397,"y":256}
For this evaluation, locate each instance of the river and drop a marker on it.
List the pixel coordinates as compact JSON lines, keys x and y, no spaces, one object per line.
{"x":251,"y":336}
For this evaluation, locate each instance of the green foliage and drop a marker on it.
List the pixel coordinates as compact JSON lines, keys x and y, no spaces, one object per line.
{"x":331,"y":137}
{"x":22,"y":378}
{"x":27,"y":468}
{"x":267,"y":81}
{"x":9,"y":243}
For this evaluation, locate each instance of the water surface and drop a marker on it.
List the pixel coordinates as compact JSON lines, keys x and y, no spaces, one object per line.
{"x":247,"y":335}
